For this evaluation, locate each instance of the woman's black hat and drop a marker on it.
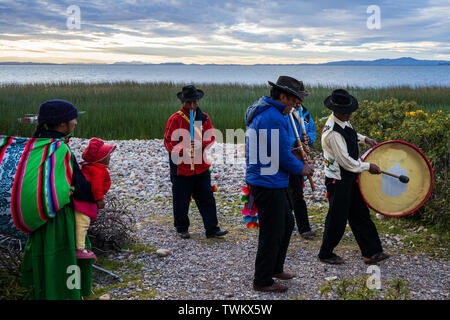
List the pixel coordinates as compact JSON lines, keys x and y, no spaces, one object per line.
{"x":190,"y":93}
{"x":290,"y":86}
{"x":341,"y":101}
{"x":56,"y":111}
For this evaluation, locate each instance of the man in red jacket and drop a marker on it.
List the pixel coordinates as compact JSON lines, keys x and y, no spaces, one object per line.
{"x":191,"y":179}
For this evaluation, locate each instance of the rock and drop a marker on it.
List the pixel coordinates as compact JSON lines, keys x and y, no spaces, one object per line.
{"x":331,"y":278}
{"x":434,"y":236}
{"x":379,"y":216}
{"x":163,"y":252}
{"x":421,"y":229}
{"x":105,"y":297}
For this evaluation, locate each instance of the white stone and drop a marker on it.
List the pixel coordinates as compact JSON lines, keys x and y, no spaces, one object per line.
{"x":163,"y":252}
{"x":105,"y":297}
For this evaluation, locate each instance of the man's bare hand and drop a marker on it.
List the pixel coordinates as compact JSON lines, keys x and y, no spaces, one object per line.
{"x":297,"y":152}
{"x":308,"y":169}
{"x":372,"y":143}
{"x":306,"y":148}
{"x":374,"y":169}
{"x":306,"y":139}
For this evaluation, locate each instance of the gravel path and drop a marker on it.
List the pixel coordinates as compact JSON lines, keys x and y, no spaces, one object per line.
{"x":200,"y":268}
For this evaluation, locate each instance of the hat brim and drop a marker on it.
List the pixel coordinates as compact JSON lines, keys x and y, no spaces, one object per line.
{"x":200,"y":95}
{"x":108,"y":149}
{"x":341,"y":109}
{"x":286,"y":90}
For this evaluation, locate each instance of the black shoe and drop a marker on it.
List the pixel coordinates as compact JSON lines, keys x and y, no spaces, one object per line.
{"x":217,"y":234}
{"x":184,"y":235}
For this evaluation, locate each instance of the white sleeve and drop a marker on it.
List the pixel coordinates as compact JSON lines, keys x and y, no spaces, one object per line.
{"x":361,"y":138}
{"x":339,"y":147}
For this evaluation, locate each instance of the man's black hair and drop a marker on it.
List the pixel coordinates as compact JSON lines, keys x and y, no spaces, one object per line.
{"x":275,"y":93}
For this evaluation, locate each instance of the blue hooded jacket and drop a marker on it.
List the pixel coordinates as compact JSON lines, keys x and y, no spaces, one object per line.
{"x":262,"y":117}
{"x":310,"y":128}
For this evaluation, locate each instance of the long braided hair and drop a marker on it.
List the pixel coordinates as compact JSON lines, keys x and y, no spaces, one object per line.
{"x":41,"y":127}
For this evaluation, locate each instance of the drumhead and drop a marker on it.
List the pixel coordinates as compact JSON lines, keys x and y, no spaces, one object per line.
{"x":387,"y":195}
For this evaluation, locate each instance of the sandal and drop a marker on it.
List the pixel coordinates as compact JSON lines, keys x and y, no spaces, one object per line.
{"x":335,"y":259}
{"x":377,"y":257}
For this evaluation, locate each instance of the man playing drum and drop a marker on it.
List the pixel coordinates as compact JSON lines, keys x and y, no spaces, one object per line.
{"x":342,"y":166}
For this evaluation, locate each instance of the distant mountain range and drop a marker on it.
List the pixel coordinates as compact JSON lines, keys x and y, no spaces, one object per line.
{"x":405,"y":61}
{"x":389,"y":62}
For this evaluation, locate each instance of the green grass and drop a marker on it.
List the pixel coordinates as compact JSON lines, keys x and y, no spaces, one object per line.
{"x":130,"y":110}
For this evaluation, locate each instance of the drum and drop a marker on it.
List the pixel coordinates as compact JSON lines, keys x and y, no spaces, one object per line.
{"x":387,"y":195}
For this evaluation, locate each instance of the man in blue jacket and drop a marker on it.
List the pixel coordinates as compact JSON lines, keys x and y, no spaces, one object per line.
{"x":296,"y":182}
{"x":270,"y":159}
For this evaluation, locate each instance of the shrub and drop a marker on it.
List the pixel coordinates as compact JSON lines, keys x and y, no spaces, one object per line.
{"x":394,"y":120}
{"x":10,"y":269}
{"x":113,"y":228}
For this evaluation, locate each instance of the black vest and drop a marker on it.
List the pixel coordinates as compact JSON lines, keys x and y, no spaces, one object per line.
{"x":351,"y":139}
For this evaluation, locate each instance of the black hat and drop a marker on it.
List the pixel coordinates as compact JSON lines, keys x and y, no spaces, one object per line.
{"x":56,"y":111}
{"x":341,"y":101}
{"x":290,"y":86}
{"x":190,"y":93}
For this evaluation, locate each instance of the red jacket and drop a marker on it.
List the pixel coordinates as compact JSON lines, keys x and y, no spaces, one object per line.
{"x":98,"y":176}
{"x":177,"y":121}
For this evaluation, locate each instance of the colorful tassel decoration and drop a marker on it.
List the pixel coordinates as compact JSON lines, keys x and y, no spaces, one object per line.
{"x":253,"y":225}
{"x":250,"y":212}
{"x":214,"y":187}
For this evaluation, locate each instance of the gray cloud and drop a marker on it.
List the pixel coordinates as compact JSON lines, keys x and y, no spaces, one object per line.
{"x":329,"y":24}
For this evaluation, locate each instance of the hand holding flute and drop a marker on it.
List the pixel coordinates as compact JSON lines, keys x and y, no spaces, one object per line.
{"x":308,"y":170}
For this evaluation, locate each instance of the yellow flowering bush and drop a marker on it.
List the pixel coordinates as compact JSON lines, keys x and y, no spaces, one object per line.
{"x":429,"y":131}
{"x":407,"y":121}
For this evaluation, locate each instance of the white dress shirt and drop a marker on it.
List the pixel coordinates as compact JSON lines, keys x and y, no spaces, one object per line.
{"x":335,"y":150}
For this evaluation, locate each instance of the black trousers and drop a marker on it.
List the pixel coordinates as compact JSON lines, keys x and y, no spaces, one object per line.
{"x":199,"y":187}
{"x":347,"y":203}
{"x":300,"y":210}
{"x":275,"y":228}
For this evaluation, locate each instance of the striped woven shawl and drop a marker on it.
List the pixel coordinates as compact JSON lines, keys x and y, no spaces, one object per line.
{"x":35,"y":178}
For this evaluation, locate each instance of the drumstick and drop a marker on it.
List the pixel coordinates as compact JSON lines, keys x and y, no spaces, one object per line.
{"x":297,"y":136}
{"x":402,"y":178}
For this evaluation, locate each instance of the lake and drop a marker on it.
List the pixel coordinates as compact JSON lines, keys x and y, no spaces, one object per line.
{"x":360,"y":76}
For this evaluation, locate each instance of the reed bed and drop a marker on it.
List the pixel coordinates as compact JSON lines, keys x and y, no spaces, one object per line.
{"x":129,"y":110}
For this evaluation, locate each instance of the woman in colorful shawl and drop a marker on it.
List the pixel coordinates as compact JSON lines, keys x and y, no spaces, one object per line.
{"x":50,"y":269}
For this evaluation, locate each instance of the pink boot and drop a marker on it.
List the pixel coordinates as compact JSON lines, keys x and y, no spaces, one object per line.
{"x":84,"y":254}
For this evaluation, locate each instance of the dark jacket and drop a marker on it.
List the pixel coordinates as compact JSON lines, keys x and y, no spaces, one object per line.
{"x":310,"y":128}
{"x":82,"y":190}
{"x":265,"y":115}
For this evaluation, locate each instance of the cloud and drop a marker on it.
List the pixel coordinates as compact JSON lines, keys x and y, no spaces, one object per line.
{"x":176,"y":29}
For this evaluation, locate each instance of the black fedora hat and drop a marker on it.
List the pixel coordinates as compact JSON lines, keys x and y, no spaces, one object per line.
{"x":290,"y":86}
{"x":190,"y":93}
{"x":341,"y":101}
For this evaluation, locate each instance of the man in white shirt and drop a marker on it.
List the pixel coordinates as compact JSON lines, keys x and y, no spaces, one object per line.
{"x":341,"y":153}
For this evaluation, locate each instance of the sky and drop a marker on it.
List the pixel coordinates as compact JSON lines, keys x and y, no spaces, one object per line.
{"x":222,"y":32}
